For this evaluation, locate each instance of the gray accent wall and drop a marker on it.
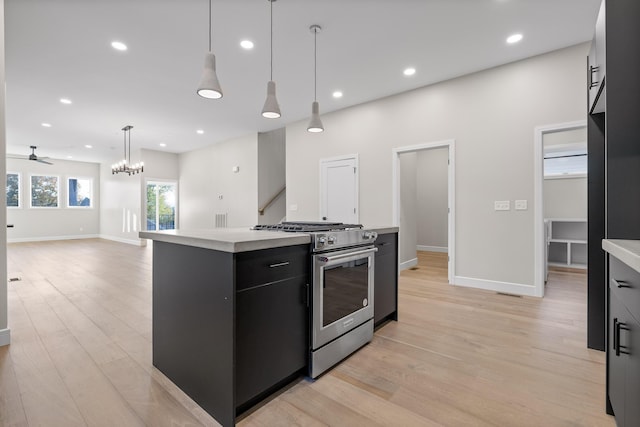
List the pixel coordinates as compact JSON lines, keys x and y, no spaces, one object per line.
{"x":432,"y":197}
{"x":491,"y":115}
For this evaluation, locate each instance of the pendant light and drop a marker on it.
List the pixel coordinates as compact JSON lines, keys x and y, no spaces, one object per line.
{"x":209,"y":86}
{"x":125,"y":166}
{"x":315,"y":124}
{"x":271,"y":109}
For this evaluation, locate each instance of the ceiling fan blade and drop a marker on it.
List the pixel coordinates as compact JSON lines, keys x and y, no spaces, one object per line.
{"x":44,"y":161}
{"x":17,"y":156}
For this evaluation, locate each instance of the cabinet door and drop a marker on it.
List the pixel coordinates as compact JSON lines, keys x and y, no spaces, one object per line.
{"x":616,"y":373}
{"x":271,"y":336}
{"x":632,"y":389}
{"x":385,"y":299}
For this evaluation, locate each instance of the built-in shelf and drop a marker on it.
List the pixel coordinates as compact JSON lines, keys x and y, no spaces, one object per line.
{"x":567,"y":242}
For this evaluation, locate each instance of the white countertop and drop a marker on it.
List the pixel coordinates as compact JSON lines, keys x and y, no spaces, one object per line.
{"x":627,"y":251}
{"x":240,"y":239}
{"x":228,"y":239}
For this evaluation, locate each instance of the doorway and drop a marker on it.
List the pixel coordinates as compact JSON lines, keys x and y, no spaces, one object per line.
{"x":339,"y":189}
{"x":161,"y":205}
{"x":397,"y":185}
{"x":560,"y":199}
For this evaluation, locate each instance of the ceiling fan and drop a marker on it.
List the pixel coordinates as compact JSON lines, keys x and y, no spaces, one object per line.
{"x":32,"y":156}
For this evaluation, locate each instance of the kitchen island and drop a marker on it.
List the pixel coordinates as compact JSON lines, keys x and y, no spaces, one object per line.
{"x":230,"y":312}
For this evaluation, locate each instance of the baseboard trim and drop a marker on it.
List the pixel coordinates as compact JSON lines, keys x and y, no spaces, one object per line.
{"x":408,"y":264}
{"x":51,"y":238}
{"x":494,"y":285}
{"x":432,"y":248}
{"x":135,"y":242}
{"x":5,"y":337}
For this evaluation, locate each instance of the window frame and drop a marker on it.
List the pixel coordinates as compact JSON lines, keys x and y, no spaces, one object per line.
{"x":20,"y":196}
{"x":31,"y":191}
{"x":91,"y":202}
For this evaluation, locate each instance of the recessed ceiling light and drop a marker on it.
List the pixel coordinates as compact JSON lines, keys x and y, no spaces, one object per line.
{"x":337,"y":94}
{"x":118,"y":45}
{"x":199,"y":131}
{"x":409,"y":71}
{"x":65,"y":101}
{"x":47,"y":125}
{"x":246,"y":44}
{"x":514,"y":38}
{"x":162,"y":144}
{"x":69,"y":157}
{"x":88,"y":146}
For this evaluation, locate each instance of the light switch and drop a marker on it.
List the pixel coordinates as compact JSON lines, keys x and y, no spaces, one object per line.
{"x":235,"y":169}
{"x":521,"y":205}
{"x":502,"y":205}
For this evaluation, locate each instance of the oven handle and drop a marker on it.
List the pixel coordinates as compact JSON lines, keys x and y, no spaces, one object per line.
{"x":347,"y":255}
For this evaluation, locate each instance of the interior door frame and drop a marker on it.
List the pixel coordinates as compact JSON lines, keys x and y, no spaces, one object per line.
{"x":538,"y":198}
{"x":322,"y":191}
{"x":148,"y":181}
{"x":451,"y":194}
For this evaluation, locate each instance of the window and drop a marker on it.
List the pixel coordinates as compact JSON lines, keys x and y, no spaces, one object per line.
{"x":80,"y":192}
{"x":44,"y":191}
{"x":13,"y":190}
{"x":568,"y":161}
{"x":161,"y":206}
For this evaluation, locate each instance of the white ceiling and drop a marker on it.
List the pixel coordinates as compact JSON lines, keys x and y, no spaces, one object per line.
{"x":62,"y":48}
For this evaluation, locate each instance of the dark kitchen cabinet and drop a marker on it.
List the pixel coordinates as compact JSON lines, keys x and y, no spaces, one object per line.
{"x":623,"y":352}
{"x":596,"y":66}
{"x":229,"y":328}
{"x":271,"y":320}
{"x":385,"y":297}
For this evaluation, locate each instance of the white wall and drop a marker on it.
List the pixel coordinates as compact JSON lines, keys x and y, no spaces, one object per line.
{"x":565,"y":198}
{"x":271,"y":175}
{"x":209,"y":186}
{"x":432,"y":199}
{"x":32,"y":224}
{"x":491,"y":115}
{"x":120,"y":205}
{"x":408,"y":210}
{"x":4,"y":328}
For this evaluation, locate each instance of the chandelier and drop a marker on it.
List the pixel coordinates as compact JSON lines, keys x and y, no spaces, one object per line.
{"x":125,"y":165}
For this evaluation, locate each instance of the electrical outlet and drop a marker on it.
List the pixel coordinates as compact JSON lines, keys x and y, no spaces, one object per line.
{"x":502,"y":205}
{"x":521,"y":205}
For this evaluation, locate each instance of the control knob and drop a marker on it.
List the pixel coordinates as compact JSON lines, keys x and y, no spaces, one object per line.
{"x":332,"y":240}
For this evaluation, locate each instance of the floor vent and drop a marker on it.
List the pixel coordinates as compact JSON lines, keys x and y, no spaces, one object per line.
{"x":15,"y":279}
{"x":509,"y":295}
{"x":414,"y":268}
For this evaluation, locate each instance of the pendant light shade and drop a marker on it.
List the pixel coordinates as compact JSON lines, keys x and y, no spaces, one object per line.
{"x":271,"y":109}
{"x":315,"y":124}
{"x":209,"y":86}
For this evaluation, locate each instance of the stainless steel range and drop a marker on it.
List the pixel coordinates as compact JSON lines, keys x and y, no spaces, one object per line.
{"x":342,"y":280}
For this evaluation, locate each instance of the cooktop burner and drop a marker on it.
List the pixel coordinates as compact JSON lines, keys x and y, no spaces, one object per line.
{"x":307,"y":227}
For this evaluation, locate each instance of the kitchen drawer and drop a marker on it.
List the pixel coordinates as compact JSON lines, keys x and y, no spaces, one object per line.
{"x":625,"y":284}
{"x":271,"y":265}
{"x":386,"y":244}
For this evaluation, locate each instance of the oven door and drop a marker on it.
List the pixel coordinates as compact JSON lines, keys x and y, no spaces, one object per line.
{"x":342,"y":292}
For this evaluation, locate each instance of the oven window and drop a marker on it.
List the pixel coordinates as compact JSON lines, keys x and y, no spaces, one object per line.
{"x":344,"y":290}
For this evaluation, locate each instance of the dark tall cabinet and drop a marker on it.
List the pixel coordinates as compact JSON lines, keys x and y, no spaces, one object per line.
{"x":613,"y":71}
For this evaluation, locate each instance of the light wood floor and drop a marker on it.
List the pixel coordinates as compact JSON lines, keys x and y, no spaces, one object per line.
{"x":80,"y":322}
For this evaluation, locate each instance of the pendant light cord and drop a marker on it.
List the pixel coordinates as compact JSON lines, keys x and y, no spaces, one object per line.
{"x":271,"y":2}
{"x":209,"y":25}
{"x":315,"y":64}
{"x":129,"y":132}
{"x":125,"y":145}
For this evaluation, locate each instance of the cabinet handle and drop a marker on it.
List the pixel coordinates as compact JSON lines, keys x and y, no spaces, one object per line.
{"x":280,"y":264}
{"x":621,"y":283}
{"x":615,"y":335}
{"x":592,"y":70}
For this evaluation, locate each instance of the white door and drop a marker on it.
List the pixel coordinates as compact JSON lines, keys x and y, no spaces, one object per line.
{"x":339,"y":190}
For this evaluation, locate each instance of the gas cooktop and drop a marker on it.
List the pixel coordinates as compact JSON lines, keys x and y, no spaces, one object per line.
{"x":307,"y":227}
